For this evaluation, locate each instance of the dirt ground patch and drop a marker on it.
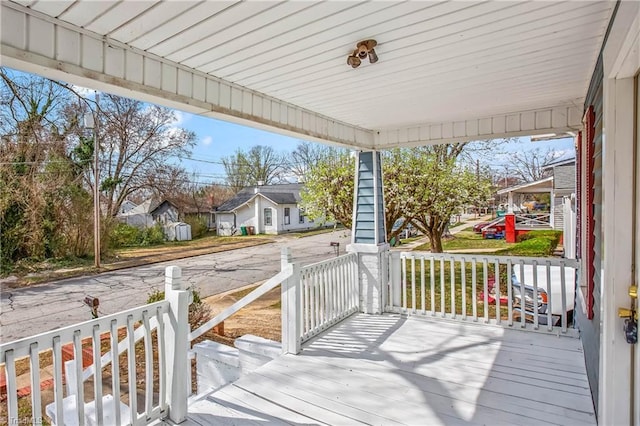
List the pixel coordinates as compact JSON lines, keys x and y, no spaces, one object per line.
{"x":260,"y":318}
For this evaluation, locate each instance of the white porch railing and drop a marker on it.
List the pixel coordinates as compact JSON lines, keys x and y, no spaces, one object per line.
{"x":329,"y":293}
{"x":103,"y":409}
{"x":482,"y":288}
{"x":534,"y":220}
{"x":170,"y":342}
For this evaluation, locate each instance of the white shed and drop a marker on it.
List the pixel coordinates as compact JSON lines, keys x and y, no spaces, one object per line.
{"x":177,"y":231}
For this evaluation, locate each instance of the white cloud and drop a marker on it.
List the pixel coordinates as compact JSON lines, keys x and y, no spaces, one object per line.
{"x":82,"y":91}
{"x":181,"y":118}
{"x":207,"y":140}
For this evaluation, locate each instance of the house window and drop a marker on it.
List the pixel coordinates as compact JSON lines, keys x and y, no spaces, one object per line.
{"x":287,"y":215}
{"x":300,"y":215}
{"x":267,"y":217}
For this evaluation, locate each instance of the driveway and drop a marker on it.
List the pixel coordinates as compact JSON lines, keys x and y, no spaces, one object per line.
{"x":32,"y":310}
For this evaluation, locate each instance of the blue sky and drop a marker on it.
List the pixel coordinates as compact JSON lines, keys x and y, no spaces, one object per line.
{"x":217,"y":139}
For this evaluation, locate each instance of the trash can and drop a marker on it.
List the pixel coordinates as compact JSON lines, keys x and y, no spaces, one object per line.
{"x":243,"y":229}
{"x":251,"y":230}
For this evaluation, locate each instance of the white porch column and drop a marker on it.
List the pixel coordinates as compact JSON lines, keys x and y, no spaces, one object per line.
{"x":176,"y":338}
{"x":368,"y":238}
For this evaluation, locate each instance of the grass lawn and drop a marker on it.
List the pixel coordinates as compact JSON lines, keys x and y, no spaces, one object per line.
{"x":438,"y":291}
{"x":467,"y":239}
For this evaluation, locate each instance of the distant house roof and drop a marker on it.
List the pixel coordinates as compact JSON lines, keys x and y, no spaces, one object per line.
{"x":542,"y":185}
{"x":565,"y":159}
{"x":278,"y":194}
{"x":146,"y":207}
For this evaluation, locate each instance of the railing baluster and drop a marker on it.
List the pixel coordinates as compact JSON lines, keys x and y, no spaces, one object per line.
{"x":77,"y":350}
{"x":317,"y":296}
{"x":452,"y":267}
{"x":485,"y":276}
{"x":433,"y":286}
{"x":12,"y":387}
{"x":474,"y":290}
{"x":442,"y":288}
{"x":549,"y":302}
{"x":413,"y":284}
{"x":509,"y":293}
{"x":422,"y":286}
{"x":322,"y":299}
{"x":97,"y":373}
{"x":535,"y":295}
{"x":463,"y":283}
{"x":115,"y":370}
{"x":403,"y":268}
{"x":563,"y":294}
{"x":162,"y":362}
{"x":36,"y":402}
{"x":148,"y":355}
{"x":307,"y":299}
{"x":131,"y":370}
{"x":523,"y":307}
{"x":332,"y":292}
{"x":57,"y":379}
{"x":497,"y":288}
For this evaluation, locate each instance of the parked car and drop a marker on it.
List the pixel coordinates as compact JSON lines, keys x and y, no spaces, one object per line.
{"x":477,"y":228}
{"x":549,"y":295}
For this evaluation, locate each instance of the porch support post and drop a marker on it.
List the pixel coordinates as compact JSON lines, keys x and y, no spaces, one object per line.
{"x":176,"y":338}
{"x":369,"y":237}
{"x":291,"y":305}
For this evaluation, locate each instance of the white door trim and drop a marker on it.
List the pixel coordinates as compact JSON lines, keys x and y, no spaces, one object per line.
{"x":615,"y":401}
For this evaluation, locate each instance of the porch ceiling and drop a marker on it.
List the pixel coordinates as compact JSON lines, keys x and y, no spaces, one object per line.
{"x":440,"y":63}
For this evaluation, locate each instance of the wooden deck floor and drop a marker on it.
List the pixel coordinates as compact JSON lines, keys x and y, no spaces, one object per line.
{"x":396,"y":370}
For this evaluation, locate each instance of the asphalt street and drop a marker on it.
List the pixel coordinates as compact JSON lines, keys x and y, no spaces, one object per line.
{"x":36,"y":309}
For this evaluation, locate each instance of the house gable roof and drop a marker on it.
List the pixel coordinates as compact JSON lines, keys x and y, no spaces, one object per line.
{"x":277,"y":194}
{"x":542,"y":185}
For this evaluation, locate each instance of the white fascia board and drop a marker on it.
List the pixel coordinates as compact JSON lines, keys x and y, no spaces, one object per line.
{"x":556,"y":119}
{"x":37,"y":43}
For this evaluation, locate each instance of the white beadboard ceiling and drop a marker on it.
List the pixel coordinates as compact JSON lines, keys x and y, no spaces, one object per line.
{"x":439,"y":61}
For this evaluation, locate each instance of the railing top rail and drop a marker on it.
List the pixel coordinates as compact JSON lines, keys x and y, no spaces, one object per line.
{"x":553,"y":261}
{"x":339,"y":259}
{"x":267,"y":286}
{"x":44,"y":340}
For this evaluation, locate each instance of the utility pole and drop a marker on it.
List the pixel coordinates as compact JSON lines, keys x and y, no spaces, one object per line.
{"x":96,"y":189}
{"x":91,"y":122}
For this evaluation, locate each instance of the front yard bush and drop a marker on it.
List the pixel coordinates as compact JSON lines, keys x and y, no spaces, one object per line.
{"x":124,"y":235}
{"x":152,"y":236}
{"x":198,"y":226}
{"x":534,"y":244}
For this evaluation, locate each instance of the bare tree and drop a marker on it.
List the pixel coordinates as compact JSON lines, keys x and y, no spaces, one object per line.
{"x":306,"y":156}
{"x":137,"y":142}
{"x":261,"y":164}
{"x":529,"y":166}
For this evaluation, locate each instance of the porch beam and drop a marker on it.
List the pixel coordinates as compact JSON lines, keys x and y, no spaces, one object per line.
{"x":37,"y":43}
{"x":554,"y":119}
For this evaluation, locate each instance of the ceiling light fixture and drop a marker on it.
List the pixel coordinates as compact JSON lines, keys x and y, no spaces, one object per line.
{"x":363,"y":50}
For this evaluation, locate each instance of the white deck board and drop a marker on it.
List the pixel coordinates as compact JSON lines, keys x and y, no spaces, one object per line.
{"x":392,"y":369}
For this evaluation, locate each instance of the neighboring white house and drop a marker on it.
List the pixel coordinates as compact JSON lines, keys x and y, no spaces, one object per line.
{"x":149,"y":213}
{"x":126,"y":207}
{"x":269,"y":209}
